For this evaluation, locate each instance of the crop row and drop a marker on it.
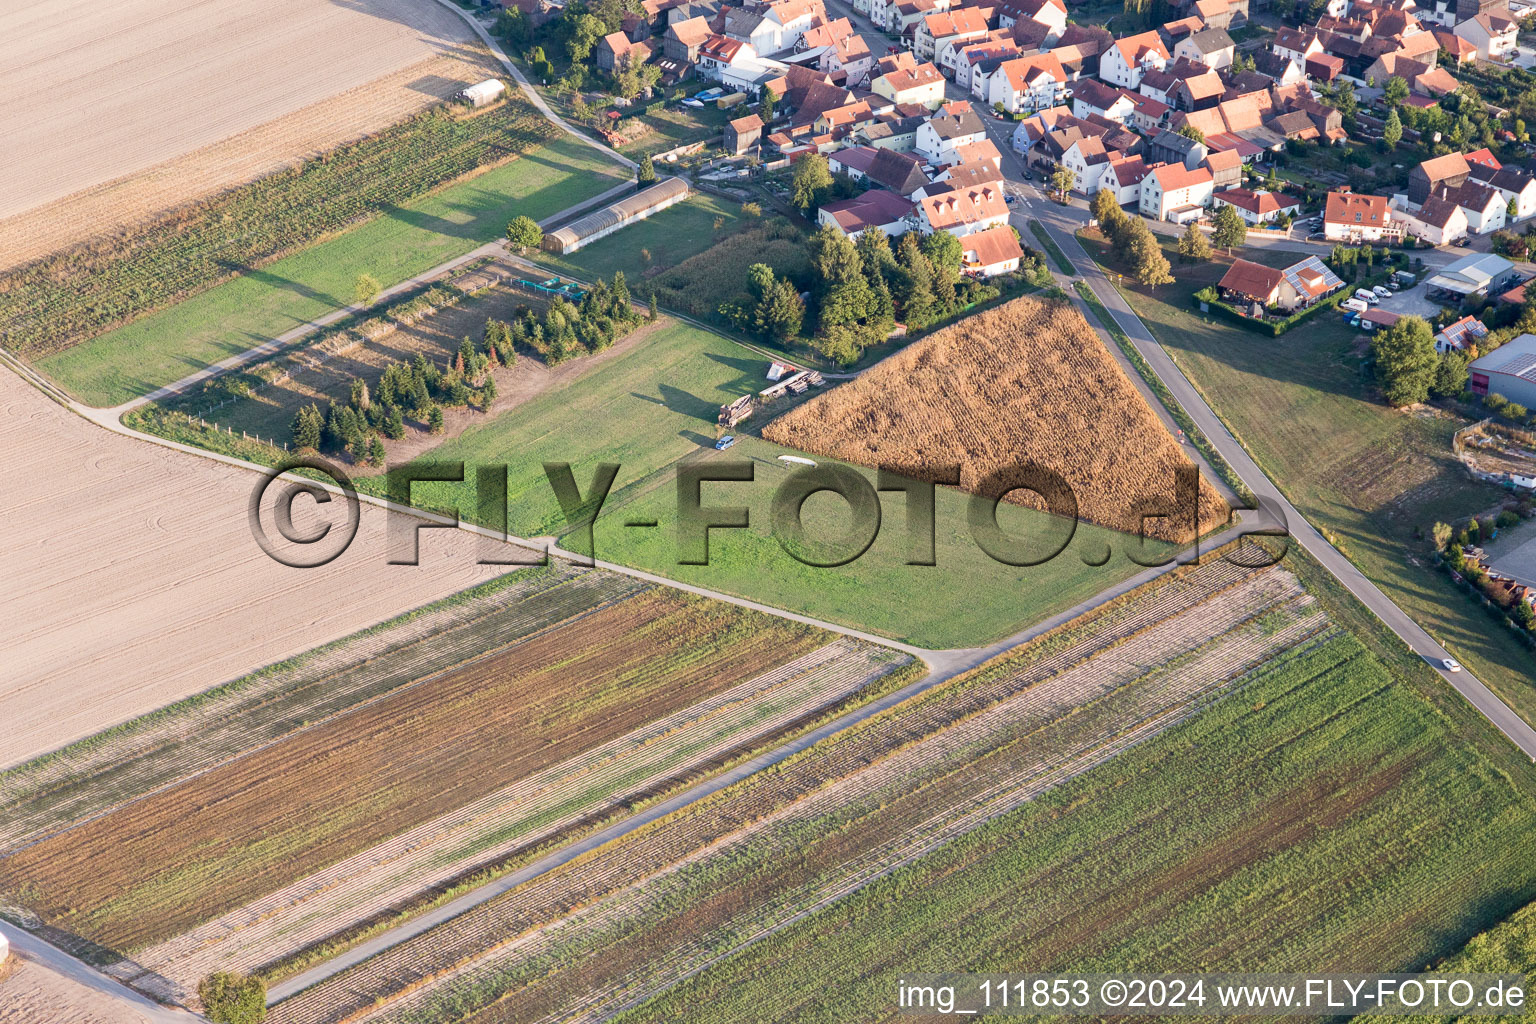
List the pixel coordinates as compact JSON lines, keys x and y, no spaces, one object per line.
{"x":73,"y":295}
{"x":522,"y":815}
{"x":170,"y":745}
{"x":1324,"y":819}
{"x":844,"y":836}
{"x":418,"y":960}
{"x":155,"y":867}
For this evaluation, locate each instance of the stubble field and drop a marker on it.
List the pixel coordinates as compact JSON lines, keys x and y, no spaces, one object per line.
{"x":1027,"y":381}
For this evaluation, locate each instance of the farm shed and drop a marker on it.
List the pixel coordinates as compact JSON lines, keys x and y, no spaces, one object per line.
{"x":481,"y":93}
{"x":611,"y":218}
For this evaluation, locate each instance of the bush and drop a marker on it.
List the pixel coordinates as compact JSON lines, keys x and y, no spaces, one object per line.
{"x":233,"y":998}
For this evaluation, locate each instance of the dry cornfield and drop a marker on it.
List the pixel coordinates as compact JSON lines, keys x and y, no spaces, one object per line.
{"x":1025,"y":382}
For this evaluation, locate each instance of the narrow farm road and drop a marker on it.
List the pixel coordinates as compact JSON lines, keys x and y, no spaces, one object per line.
{"x":527,"y":87}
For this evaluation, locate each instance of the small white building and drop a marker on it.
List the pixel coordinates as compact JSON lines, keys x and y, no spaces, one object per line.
{"x":1176,"y":193}
{"x":482,"y":93}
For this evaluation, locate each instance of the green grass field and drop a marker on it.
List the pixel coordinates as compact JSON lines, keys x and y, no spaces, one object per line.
{"x":670,"y":237}
{"x":1369,"y":475}
{"x":1326,"y":818}
{"x":656,"y":407}
{"x":263,"y":303}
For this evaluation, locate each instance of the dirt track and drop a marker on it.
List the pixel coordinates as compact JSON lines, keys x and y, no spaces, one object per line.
{"x":96,"y":94}
{"x":133,"y":579}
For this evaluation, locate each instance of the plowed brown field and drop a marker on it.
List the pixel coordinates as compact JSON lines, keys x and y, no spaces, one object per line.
{"x":1025,"y":382}
{"x":161,"y":865}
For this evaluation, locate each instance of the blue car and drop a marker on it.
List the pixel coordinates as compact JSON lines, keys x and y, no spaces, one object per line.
{"x":725,"y":442}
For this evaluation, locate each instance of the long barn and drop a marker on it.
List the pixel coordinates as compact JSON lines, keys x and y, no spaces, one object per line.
{"x":611,"y":218}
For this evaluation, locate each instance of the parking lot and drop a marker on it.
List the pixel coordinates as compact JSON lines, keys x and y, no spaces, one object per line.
{"x":1411,"y":302}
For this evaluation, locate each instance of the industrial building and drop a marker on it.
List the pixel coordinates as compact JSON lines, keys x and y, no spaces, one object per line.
{"x":1509,"y":370}
{"x":609,"y":219}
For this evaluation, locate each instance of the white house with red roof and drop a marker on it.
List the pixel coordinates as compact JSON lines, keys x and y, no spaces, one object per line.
{"x":963,"y":212}
{"x":1027,"y":84}
{"x":1492,"y":33}
{"x":990,"y":252}
{"x":878,"y":209}
{"x":1122,"y":178}
{"x":1176,"y":193}
{"x":1124,"y":63}
{"x":1257,"y":207}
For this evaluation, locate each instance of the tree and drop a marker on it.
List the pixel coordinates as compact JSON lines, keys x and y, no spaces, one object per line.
{"x":654,"y":311}
{"x":435,"y":418}
{"x":230,"y":998}
{"x":646,"y":173}
{"x":812,"y":182}
{"x":1405,"y":360}
{"x":1450,"y":375}
{"x":307,"y":426}
{"x":751,"y":209}
{"x":524,"y":233}
{"x":1512,"y":209}
{"x":488,"y":392}
{"x":1189,"y":131}
{"x":1396,"y":91}
{"x":777,"y":311}
{"x":1392,"y":134}
{"x":375,"y":451}
{"x":944,"y":251}
{"x":1063,"y":180}
{"x":585,"y":31}
{"x":1108,"y":213}
{"x":1230,"y":230}
{"x":1441,"y":532}
{"x":366,"y":289}
{"x":1150,"y":265}
{"x":765,"y":106}
{"x":1193,"y":247}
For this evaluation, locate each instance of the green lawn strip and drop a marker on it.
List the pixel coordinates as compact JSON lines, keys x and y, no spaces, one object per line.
{"x":669,"y":237}
{"x":1060,"y":258}
{"x":935,"y":606}
{"x":1366,"y":475}
{"x":265,"y":302}
{"x":1180,"y":416}
{"x":1230,"y":842}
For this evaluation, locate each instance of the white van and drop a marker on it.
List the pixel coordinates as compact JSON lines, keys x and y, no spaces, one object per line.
{"x":1370,"y":298}
{"x":1354,"y":305}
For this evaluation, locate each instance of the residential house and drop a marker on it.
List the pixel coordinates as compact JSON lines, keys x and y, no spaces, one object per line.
{"x":616,"y":51}
{"x":1050,"y":13}
{"x":993,"y":51}
{"x":1295,"y":287}
{"x":1513,"y":183}
{"x":718,"y":52}
{"x":1311,"y":280}
{"x":1252,"y":287}
{"x":990,"y":252}
{"x":953,"y":125}
{"x":878,"y":209}
{"x":1197,"y":92}
{"x":1492,"y":33}
{"x":1087,"y":159}
{"x":963,"y":212}
{"x":1297,"y":44}
{"x":1212,"y":47}
{"x":919,"y":84}
{"x":1026,"y":84}
{"x":1093,"y":97}
{"x":1123,"y":177}
{"x":1149,"y":116}
{"x":1460,"y":335}
{"x":1457,"y":50}
{"x":742,"y":134}
{"x":1447,"y":171}
{"x":1081,"y":49}
{"x":957,"y":25}
{"x":1484,"y":206}
{"x":1354,"y":217}
{"x":1257,"y":207}
{"x":792,"y":19}
{"x":1175,"y":193}
{"x":1172,"y":148}
{"x":1129,"y":58}
{"x":1439,"y":220}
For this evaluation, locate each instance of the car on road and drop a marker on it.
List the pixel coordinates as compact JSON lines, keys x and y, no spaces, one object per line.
{"x":725,"y":442}
{"x":1010,"y":199}
{"x":1450,"y":664}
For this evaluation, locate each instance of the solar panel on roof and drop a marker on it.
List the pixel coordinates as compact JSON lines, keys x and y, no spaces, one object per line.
{"x":1522,"y":365}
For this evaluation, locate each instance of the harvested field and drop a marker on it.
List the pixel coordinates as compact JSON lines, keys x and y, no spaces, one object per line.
{"x":89,"y":778}
{"x":252,"y":825}
{"x":278,"y":144}
{"x":532,"y":811}
{"x":851,"y":809}
{"x":93,"y":99}
{"x":30,"y":993}
{"x":152,"y":549}
{"x":1026,"y":381}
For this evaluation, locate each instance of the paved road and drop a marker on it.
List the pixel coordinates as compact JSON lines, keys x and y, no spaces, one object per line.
{"x":1062,"y":223}
{"x":134,"y":1006}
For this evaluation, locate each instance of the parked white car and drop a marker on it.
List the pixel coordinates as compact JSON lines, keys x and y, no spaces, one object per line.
{"x":1384,"y":291}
